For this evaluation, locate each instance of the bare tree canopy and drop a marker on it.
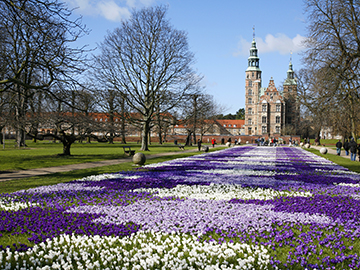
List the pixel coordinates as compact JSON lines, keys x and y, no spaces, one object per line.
{"x":149,"y":62}
{"x":333,"y":59}
{"x":34,"y":49}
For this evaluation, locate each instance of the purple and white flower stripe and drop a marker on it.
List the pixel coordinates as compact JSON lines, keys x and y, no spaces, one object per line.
{"x":283,"y":207}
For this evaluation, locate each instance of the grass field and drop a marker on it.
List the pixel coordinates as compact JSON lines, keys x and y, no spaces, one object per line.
{"x":45,"y":154}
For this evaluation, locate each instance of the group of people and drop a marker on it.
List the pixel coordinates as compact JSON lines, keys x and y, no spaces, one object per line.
{"x":350,"y":147}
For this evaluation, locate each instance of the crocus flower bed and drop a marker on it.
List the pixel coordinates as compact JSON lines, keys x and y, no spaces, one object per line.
{"x":239,"y":208}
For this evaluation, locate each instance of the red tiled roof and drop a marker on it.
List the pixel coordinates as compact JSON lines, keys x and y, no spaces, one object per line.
{"x":238,"y":122}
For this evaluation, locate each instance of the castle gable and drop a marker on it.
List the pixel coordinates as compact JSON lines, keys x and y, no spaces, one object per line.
{"x":271,"y":94}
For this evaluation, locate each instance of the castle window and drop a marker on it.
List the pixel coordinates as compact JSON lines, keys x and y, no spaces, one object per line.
{"x":263,"y":129}
{"x":263,"y":119}
{"x":250,"y":92}
{"x":252,"y":74}
{"x":278,"y":107}
{"x":264,"y":108}
{"x":250,"y":83}
{"x":249,"y":121}
{"x":250,"y":100}
{"x":277,"y":119}
{"x":277,"y":129}
{"x":250,"y":111}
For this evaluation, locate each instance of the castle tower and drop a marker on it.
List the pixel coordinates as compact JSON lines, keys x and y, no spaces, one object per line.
{"x":290,"y":96}
{"x":252,"y":90}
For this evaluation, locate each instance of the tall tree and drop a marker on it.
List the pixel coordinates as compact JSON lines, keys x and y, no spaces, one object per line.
{"x":150,"y":62}
{"x":35,"y":51}
{"x":333,"y":54}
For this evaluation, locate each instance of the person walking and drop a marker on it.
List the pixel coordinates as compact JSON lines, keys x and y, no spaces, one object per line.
{"x":213,"y":142}
{"x":338,"y":147}
{"x":199,"y":144}
{"x":346,"y":147}
{"x":353,"y":148}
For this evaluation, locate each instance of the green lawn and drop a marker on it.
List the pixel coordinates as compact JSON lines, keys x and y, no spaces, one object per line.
{"x":45,"y":154}
{"x":345,"y":162}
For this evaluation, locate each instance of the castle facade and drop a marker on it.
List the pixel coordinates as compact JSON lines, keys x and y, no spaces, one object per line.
{"x":268,"y":111}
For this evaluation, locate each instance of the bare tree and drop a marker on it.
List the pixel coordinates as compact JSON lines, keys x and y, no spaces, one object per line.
{"x":198,"y":115}
{"x":333,"y":54}
{"x":150,"y":62}
{"x":112,"y":103}
{"x":35,"y":52}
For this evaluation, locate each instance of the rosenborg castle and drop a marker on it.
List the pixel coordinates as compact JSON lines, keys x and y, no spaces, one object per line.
{"x":268,"y":111}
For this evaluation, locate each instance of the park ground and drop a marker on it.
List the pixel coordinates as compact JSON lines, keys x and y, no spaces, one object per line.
{"x":304,"y":180}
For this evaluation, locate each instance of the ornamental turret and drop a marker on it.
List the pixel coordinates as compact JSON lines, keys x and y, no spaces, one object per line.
{"x":253,"y":60}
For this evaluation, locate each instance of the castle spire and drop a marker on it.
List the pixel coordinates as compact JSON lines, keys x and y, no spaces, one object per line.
{"x":253,"y":60}
{"x":290,"y":73}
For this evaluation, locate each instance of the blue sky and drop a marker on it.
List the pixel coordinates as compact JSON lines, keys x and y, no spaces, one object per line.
{"x":220,"y":35}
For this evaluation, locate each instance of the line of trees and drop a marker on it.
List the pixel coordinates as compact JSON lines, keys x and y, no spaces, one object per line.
{"x":240,"y":114}
{"x":142,"y":75}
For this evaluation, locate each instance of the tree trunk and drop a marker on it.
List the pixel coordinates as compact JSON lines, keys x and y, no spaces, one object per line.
{"x":194,"y":137}
{"x":66,"y":148}
{"x":187,"y":140}
{"x":352,"y":117}
{"x":20,"y":137}
{"x":145,"y":136}
{"x":123,"y":139}
{"x":160,"y":137}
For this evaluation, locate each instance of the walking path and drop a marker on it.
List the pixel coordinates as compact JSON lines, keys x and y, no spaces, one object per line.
{"x":66,"y":168}
{"x":332,"y":151}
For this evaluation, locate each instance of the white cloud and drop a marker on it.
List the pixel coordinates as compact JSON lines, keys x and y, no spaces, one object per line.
{"x":280,"y":43}
{"x":113,"y":10}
